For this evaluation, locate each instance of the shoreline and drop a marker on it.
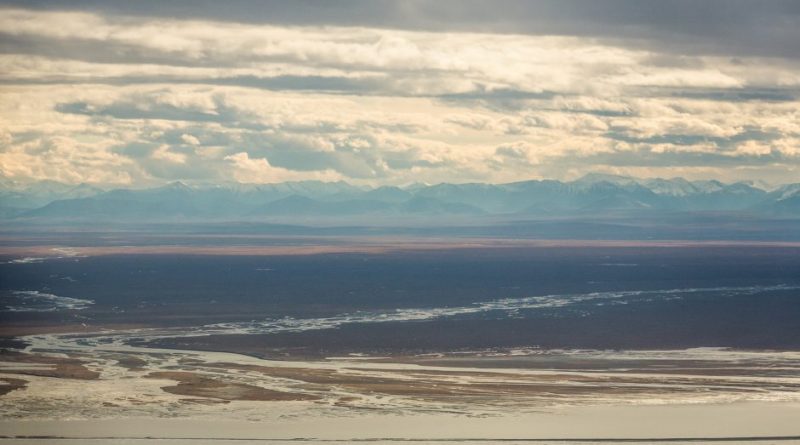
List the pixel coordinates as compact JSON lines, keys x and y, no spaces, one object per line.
{"x":354,"y":245}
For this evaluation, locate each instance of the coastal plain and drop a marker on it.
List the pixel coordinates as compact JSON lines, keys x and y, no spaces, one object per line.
{"x":408,"y":341}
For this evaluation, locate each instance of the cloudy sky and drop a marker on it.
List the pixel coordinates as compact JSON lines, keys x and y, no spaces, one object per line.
{"x":377,"y":92}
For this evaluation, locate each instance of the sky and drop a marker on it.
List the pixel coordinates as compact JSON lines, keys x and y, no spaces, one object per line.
{"x":395,"y":92}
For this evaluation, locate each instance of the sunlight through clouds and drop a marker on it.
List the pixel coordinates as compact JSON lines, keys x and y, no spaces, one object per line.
{"x":157,"y":99}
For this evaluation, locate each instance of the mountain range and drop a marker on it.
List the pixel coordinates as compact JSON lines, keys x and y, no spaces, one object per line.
{"x":591,"y":196}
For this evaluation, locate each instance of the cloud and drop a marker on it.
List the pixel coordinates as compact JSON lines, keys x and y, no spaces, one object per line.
{"x":259,"y":170}
{"x":722,"y":27}
{"x":350,"y":60}
{"x":66,"y":160}
{"x":163,"y":153}
{"x":113,"y":93}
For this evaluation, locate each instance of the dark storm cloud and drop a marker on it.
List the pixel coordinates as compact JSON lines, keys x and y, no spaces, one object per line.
{"x":132,"y":111}
{"x":146,"y":106}
{"x":646,"y":156}
{"x":364,"y":160}
{"x":749,"y":134}
{"x":732,"y":27}
{"x":88,"y":50}
{"x":328,"y":84}
{"x":731,"y":94}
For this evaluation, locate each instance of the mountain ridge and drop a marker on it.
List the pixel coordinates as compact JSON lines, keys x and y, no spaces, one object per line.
{"x":593,"y":194}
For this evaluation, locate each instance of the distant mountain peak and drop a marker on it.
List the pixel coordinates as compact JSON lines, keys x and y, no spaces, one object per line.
{"x":176,"y":185}
{"x":606,"y":177}
{"x":597,"y":193}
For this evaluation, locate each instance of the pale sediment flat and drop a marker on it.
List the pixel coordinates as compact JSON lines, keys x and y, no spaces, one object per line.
{"x":728,"y":423}
{"x":129,"y":394}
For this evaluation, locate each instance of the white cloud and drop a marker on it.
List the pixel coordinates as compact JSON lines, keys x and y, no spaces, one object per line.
{"x":189,"y":139}
{"x":145,"y":100}
{"x":259,"y":170}
{"x":163,"y":153}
